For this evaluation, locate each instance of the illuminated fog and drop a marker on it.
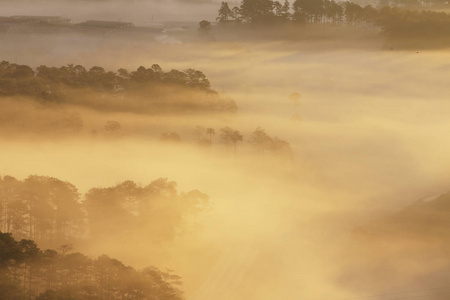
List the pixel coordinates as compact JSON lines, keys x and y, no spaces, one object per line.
{"x":369,"y":139}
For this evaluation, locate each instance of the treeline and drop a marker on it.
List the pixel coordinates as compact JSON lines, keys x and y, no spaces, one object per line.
{"x":268,"y":11}
{"x":52,"y":211}
{"x":396,"y":23}
{"x":301,"y":11}
{"x":229,"y":137}
{"x":60,"y":85}
{"x":26,"y":272}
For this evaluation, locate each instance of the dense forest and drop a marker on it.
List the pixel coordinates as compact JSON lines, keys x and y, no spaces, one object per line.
{"x":146,"y":90}
{"x":52,"y":212}
{"x":27,"y":272}
{"x":420,"y":28}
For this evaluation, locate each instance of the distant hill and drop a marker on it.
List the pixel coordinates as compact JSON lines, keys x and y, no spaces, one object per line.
{"x":406,"y":250}
{"x":427,"y":218}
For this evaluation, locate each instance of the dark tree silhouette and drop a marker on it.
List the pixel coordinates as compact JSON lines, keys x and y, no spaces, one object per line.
{"x":229,"y":136}
{"x":225,"y":14}
{"x":204,"y":27}
{"x":257,"y":10}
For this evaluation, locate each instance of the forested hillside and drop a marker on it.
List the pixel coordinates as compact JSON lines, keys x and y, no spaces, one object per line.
{"x":146,"y":90}
{"x":27,"y":272}
{"x":401,"y":27}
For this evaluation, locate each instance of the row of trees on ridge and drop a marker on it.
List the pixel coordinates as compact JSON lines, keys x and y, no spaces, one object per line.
{"x":230,"y":137}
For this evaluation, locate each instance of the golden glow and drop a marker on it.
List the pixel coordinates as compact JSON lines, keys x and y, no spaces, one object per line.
{"x":372,"y":139}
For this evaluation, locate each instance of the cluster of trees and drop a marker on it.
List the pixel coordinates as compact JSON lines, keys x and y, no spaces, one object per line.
{"x":259,"y":140}
{"x":52,"y":211}
{"x":230,"y":137}
{"x":153,"y":213}
{"x":45,"y":79}
{"x":58,"y":84}
{"x":395,"y":22}
{"x":26,"y":272}
{"x":264,"y":143}
{"x":111,"y":129}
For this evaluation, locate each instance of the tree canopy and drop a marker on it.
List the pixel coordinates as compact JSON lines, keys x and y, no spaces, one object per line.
{"x":52,"y":211}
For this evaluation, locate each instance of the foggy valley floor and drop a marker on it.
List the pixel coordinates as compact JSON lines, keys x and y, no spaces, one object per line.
{"x":368,"y":133}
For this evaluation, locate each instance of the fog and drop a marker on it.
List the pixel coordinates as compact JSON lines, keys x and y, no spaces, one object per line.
{"x":369,"y":141}
{"x":142,"y":12}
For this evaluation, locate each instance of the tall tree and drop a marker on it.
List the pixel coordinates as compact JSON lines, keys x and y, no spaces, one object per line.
{"x":285,"y":10}
{"x":225,"y":13}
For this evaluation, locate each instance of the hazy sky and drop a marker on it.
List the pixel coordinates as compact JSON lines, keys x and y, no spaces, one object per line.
{"x":138,"y":11}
